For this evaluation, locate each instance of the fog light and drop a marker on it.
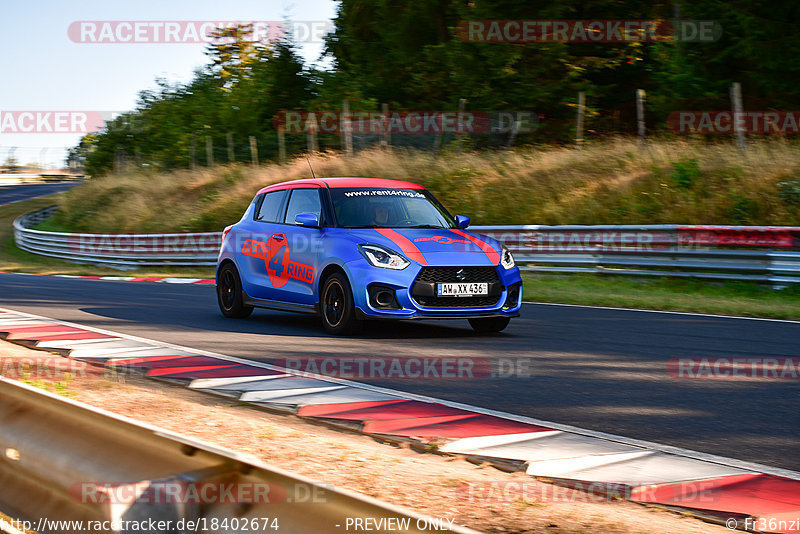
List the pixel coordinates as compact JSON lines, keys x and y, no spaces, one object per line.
{"x":512,"y":298}
{"x":383,"y":297}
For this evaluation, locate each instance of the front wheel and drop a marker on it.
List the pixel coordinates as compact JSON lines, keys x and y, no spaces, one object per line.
{"x":229,"y":293}
{"x":336,"y":306}
{"x":485,"y":325}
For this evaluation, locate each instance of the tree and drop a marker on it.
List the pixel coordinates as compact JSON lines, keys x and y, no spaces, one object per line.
{"x":232,"y":53}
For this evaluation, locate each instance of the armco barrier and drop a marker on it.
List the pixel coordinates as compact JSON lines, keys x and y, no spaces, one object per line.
{"x":116,"y":250}
{"x":765,"y":254}
{"x":66,"y":461}
{"x":759,"y":253}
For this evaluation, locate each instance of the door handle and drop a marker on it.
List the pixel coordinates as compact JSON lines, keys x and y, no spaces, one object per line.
{"x":278,"y":237}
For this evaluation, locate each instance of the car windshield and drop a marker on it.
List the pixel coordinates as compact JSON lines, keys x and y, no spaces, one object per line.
{"x":388,"y":208}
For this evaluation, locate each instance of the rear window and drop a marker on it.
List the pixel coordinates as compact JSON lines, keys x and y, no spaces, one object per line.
{"x":270,"y":209}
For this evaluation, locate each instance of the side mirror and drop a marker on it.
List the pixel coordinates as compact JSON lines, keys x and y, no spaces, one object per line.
{"x":307,"y":219}
{"x":462,"y":221}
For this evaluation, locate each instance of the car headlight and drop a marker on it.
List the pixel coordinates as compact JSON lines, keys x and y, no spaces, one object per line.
{"x":383,"y":257}
{"x":506,"y":259}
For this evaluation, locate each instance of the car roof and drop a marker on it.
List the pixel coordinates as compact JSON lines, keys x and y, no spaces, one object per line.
{"x":341,"y":182}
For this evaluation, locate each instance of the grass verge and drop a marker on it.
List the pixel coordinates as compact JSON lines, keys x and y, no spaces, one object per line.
{"x":614,"y":181}
{"x":747,"y":299}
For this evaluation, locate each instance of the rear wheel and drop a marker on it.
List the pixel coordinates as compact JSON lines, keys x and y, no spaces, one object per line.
{"x":229,"y":293}
{"x":485,"y":325}
{"x":336,"y":306}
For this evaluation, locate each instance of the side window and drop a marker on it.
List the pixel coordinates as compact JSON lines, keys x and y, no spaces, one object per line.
{"x":270,"y":209}
{"x":303,"y":201}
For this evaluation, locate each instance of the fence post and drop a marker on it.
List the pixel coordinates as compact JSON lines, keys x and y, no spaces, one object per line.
{"x":386,"y":139}
{"x":346,"y":129}
{"x":281,"y":145}
{"x":231,"y":156}
{"x":437,"y":141}
{"x":640,"y":99}
{"x":738,"y":115}
{"x":311,"y":137}
{"x":254,"y":151}
{"x":462,"y":103}
{"x":209,"y":151}
{"x":514,"y":131}
{"x":579,"y":128}
{"x":117,"y":161}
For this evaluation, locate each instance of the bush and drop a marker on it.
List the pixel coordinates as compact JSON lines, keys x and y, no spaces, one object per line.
{"x":685,"y":172}
{"x":789,"y":192}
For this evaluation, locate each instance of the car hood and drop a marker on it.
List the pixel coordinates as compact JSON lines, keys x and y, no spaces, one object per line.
{"x":416,"y":243}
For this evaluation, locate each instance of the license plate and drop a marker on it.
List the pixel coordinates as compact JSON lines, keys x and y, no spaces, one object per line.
{"x":462,"y":290}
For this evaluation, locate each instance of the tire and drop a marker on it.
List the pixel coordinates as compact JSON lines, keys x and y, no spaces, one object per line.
{"x":229,"y":293}
{"x":489,"y":324}
{"x":336,"y":306}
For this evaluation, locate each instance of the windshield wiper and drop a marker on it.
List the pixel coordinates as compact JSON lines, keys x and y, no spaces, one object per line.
{"x":364,"y":226}
{"x":425,"y":226}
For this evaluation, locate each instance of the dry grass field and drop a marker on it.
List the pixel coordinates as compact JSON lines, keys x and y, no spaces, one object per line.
{"x":615,"y":181}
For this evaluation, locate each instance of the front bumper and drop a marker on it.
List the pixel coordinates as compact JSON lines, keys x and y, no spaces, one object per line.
{"x":415,"y":297}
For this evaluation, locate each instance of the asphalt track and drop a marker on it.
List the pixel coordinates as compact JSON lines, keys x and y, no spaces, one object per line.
{"x":15,"y":193}
{"x":599,"y":369}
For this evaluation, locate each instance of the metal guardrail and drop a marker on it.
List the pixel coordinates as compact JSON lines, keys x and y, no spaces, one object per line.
{"x":116,"y":250}
{"x":764,"y":254}
{"x":61,"y":460}
{"x":756,"y":253}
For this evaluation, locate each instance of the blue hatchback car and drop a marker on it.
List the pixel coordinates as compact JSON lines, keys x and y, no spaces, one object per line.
{"x":350,"y":249}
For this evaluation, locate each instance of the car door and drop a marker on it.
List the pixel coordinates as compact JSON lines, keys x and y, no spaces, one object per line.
{"x":297,"y":256}
{"x":257,"y":245}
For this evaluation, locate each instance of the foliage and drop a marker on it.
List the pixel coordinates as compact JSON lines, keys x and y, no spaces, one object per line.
{"x":411,"y":56}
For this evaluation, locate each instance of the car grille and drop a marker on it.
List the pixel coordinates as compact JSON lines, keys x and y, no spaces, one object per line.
{"x":458,"y":302}
{"x":448,"y":274}
{"x":433,"y":275}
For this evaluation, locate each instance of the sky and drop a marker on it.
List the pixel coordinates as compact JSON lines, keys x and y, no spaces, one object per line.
{"x":49,"y":68}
